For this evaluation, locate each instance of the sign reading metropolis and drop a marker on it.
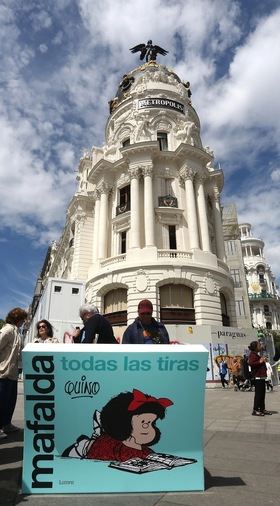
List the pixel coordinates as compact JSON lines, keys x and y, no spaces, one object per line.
{"x":166,"y":103}
{"x":113,"y":418}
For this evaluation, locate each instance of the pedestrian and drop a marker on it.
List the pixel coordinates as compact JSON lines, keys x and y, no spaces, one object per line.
{"x":145,"y":329}
{"x":97,"y":329}
{"x":223,"y":369}
{"x":236,"y":372}
{"x":10,"y":350}
{"x":269,"y":372}
{"x":258,"y":371}
{"x":45,"y":333}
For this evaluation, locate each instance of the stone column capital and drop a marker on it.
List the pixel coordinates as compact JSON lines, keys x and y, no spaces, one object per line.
{"x":200,"y":178}
{"x":147,"y":170}
{"x":104,"y":187}
{"x":134,"y":173}
{"x":186,"y":173}
{"x":96,"y":194}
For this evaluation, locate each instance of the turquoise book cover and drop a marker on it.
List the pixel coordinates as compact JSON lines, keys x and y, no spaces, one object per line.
{"x":113,"y":418}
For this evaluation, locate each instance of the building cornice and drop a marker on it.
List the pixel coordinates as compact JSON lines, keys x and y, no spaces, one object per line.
{"x":187,"y":150}
{"x":146,"y":147}
{"x":101,"y":167}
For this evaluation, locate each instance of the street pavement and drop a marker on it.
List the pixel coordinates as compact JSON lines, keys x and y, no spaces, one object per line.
{"x":242,"y":460}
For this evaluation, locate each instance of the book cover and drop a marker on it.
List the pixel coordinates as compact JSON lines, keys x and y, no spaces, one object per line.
{"x":93,"y":410}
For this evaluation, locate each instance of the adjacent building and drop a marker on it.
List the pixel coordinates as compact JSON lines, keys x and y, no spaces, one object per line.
{"x":262,"y":289}
{"x":234,"y":259}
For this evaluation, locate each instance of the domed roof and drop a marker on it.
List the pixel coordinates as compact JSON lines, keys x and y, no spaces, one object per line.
{"x":143,"y":76}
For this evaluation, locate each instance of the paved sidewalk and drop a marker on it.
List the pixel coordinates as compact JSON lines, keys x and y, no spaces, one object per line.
{"x":242,"y":460}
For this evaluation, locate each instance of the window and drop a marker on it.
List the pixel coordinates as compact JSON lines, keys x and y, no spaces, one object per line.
{"x":268,"y":325}
{"x":124,"y":200}
{"x":172,"y":237}
{"x":240,"y":307}
{"x":225,"y":316}
{"x":125,"y":142}
{"x":57,"y":288}
{"x":266,"y":310}
{"x":115,"y":306}
{"x":162,"y":140}
{"x":176,"y":296}
{"x":176,"y":304}
{"x":124,"y":195}
{"x":166,"y":186}
{"x":230,"y":247}
{"x":123,"y":242}
{"x":235,"y":273}
{"x":261,"y":277}
{"x":75,"y":291}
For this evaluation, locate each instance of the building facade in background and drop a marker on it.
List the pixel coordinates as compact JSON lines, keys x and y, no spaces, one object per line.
{"x":236,"y":266}
{"x":262,"y":289}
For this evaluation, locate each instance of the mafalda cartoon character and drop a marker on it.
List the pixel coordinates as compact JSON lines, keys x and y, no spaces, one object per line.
{"x":125,"y":429}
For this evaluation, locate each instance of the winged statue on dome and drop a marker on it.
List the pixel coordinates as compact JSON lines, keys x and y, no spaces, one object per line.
{"x":149,"y":50}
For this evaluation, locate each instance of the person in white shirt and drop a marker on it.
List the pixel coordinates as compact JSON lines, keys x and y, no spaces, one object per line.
{"x":10,"y":350}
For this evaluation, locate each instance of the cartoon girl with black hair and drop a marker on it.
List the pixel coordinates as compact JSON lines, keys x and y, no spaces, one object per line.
{"x":123,"y":429}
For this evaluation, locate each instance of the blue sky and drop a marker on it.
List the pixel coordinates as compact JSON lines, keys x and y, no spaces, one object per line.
{"x":61,"y":62}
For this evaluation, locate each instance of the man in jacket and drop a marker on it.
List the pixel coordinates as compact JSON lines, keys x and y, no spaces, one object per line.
{"x":145,"y":329}
{"x":97,"y":329}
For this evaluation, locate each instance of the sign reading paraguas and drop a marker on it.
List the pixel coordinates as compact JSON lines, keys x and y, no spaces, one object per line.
{"x":165,"y":103}
{"x":112,"y":418}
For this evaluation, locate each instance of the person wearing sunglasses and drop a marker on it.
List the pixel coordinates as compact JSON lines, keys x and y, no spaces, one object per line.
{"x":145,"y":329}
{"x":45,"y":333}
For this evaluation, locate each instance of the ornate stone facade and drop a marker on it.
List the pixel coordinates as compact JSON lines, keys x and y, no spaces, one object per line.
{"x":122,"y":239}
{"x":263,"y":292}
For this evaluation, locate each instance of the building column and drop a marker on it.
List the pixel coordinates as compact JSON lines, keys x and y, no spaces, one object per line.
{"x":134,"y":208}
{"x":96,"y":225}
{"x":103,"y":216}
{"x":202,"y":213}
{"x":218,"y":224}
{"x":148,"y":206}
{"x":187,"y":175}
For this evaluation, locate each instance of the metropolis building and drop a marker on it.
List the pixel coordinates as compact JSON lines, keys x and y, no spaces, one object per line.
{"x":145,"y":221}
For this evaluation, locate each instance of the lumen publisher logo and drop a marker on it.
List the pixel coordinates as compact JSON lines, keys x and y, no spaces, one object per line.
{"x":41,"y":425}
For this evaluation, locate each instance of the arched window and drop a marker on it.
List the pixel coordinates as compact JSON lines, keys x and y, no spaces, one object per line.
{"x":162,"y":140}
{"x":176,"y":304}
{"x":225,"y":316}
{"x":115,"y":306}
{"x":261,"y":272}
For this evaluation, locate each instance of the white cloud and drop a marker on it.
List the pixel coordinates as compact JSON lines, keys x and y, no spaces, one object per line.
{"x":57,"y":40}
{"x":43,"y":48}
{"x":66,"y":155}
{"x":40,"y":20}
{"x":244,"y":106}
{"x":275,"y":175}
